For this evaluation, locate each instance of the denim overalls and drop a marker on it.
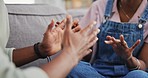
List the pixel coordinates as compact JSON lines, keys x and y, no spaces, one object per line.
{"x":107,"y":63}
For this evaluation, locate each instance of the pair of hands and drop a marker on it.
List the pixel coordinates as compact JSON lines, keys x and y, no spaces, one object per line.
{"x":120,"y":46}
{"x":67,"y":35}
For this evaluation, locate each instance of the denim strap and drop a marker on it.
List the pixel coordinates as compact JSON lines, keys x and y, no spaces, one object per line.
{"x":143,"y":19}
{"x":108,"y":9}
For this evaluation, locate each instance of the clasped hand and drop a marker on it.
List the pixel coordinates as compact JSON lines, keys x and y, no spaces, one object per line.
{"x":67,"y":34}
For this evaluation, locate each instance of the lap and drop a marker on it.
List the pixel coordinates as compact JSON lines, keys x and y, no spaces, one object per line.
{"x":137,"y":74}
{"x":84,"y":70}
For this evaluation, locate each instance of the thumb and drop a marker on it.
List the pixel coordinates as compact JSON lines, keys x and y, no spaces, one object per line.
{"x":68,"y":22}
{"x":50,"y":26}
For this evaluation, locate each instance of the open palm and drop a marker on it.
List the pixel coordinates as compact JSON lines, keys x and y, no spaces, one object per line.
{"x":120,"y":46}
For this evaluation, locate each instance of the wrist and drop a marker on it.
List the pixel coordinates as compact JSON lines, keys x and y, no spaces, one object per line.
{"x":71,"y":55}
{"x":38,"y":51}
{"x":133,"y":63}
{"x":129,"y":57}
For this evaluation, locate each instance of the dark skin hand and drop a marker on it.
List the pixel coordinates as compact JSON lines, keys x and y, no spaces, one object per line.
{"x":121,"y":48}
{"x":50,"y":45}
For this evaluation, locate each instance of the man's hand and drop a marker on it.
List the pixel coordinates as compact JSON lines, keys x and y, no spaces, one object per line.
{"x":52,"y":39}
{"x":120,"y":46}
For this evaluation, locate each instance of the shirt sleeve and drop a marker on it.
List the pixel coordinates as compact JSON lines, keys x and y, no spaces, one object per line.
{"x":90,"y":16}
{"x":9,"y":70}
{"x":9,"y":52}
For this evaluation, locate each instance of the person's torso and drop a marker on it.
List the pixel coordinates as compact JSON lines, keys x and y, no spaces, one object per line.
{"x":107,"y":61}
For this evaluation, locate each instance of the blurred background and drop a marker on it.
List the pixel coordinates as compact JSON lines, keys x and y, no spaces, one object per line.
{"x":64,"y":4}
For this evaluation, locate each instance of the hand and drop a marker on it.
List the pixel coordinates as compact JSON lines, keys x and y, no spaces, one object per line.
{"x":78,"y":43}
{"x":52,"y":39}
{"x":75,"y":25}
{"x":120,"y":46}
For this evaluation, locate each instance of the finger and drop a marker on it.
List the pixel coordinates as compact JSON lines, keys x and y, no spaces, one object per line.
{"x":116,"y":41}
{"x":87,"y":52}
{"x":93,"y":35}
{"x":62,"y":24}
{"x":109,"y":42}
{"x":75,"y":23}
{"x":136,"y":44}
{"x":51,"y":25}
{"x":88,"y":28}
{"x":122,"y":38}
{"x":90,"y":44}
{"x":76,"y":29}
{"x":68,"y":22}
{"x":109,"y":37}
{"x":123,"y":42}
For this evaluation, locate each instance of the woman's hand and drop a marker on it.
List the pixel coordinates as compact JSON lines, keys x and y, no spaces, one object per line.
{"x":77,"y":44}
{"x":120,"y":46}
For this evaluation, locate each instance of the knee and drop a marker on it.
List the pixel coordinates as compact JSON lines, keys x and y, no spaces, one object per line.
{"x":80,"y":67}
{"x":137,"y":74}
{"x":78,"y":71}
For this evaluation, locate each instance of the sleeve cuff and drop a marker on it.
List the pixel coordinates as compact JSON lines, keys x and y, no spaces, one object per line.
{"x":9,"y":52}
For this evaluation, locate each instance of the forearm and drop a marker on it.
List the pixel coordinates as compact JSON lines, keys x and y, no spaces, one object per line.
{"x":134,"y":63}
{"x":24,"y":55}
{"x":61,"y":65}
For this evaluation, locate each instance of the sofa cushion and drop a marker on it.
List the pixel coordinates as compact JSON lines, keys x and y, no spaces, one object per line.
{"x":28,"y":23}
{"x":77,"y":13}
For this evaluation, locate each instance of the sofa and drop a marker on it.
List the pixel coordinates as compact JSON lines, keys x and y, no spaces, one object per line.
{"x":28,"y":23}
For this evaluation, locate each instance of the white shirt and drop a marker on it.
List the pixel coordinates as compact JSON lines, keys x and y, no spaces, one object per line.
{"x":7,"y":67}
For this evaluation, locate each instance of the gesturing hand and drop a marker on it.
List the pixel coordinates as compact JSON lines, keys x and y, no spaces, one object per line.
{"x":120,"y":46}
{"x":75,"y":25}
{"x":52,"y":40}
{"x":78,"y":43}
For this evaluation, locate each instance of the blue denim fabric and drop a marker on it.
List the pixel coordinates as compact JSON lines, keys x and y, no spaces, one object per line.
{"x":137,"y":74}
{"x":84,"y":70}
{"x":107,"y":63}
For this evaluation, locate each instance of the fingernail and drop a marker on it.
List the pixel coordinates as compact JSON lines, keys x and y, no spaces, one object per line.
{"x":53,"y":20}
{"x":98,"y":30}
{"x":94,"y":23}
{"x":121,"y":35}
{"x":91,"y":25}
{"x":105,"y":41}
{"x":97,"y":39}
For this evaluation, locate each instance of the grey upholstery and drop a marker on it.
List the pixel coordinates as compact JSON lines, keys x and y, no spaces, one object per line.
{"x":28,"y":24}
{"x":77,"y":13}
